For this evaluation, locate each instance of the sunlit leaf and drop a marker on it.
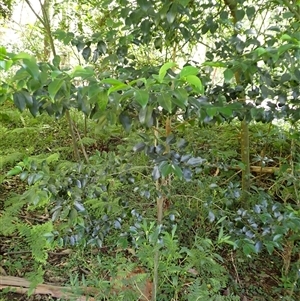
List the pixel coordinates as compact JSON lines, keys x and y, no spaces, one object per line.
{"x":163,"y":70}
{"x":54,"y":87}
{"x":228,"y":75}
{"x":188,"y":70}
{"x":195,"y":82}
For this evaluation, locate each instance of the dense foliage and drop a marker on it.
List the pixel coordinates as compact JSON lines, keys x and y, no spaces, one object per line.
{"x":156,"y":168}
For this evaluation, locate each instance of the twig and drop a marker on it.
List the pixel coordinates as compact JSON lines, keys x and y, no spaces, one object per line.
{"x":81,"y":144}
{"x":235,"y":269}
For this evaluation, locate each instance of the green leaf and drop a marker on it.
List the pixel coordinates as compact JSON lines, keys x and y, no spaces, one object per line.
{"x":250,"y":11}
{"x":149,"y":117}
{"x":180,"y":98}
{"x":228,"y":75}
{"x":20,"y":101}
{"x":226,"y":111}
{"x":144,"y":4}
{"x":284,"y":48}
{"x":142,"y":115}
{"x":163,"y":70}
{"x":164,"y":100}
{"x":22,"y":56}
{"x":56,"y":61}
{"x":117,"y":88}
{"x":248,"y":249}
{"x":155,"y":173}
{"x":139,"y":147}
{"x":194,"y":81}
{"x":54,"y":86}
{"x":84,"y":73}
{"x":177,"y":171}
{"x":5,"y":64}
{"x":286,"y":37}
{"x":141,"y":97}
{"x":188,"y":70}
{"x":260,"y":51}
{"x":195,"y":161}
{"x":145,"y":27}
{"x":101,"y":47}
{"x":165,"y":169}
{"x":125,"y":121}
{"x":239,"y":14}
{"x":112,"y":81}
{"x":171,"y":14}
{"x":31,"y":67}
{"x":215,"y":64}
{"x":86,"y":53}
{"x":15,"y":171}
{"x":102,"y":100}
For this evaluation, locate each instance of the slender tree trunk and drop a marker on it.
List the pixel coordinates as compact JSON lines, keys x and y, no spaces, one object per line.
{"x":245,"y":150}
{"x":47,"y":47}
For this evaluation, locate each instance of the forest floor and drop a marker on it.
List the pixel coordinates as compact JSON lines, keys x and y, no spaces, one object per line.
{"x":256,"y":278}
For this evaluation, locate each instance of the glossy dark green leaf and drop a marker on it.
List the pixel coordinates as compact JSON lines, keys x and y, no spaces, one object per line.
{"x":195,"y":161}
{"x":139,"y":147}
{"x":155,"y":173}
{"x":226,"y":111}
{"x":171,"y":14}
{"x":185,"y":33}
{"x":31,"y":67}
{"x":158,"y":42}
{"x":56,"y":61}
{"x":164,"y":100}
{"x":141,"y":97}
{"x":125,"y":121}
{"x":165,"y":169}
{"x":23,"y":175}
{"x":250,"y":11}
{"x":142,"y":115}
{"x":79,"y":206}
{"x":171,"y":139}
{"x":285,"y":78}
{"x":144,"y":4}
{"x":54,"y":86}
{"x":181,"y":97}
{"x":187,"y":174}
{"x":248,"y":249}
{"x":212,"y":111}
{"x":101,"y":47}
{"x":239,"y":14}
{"x":149,"y":121}
{"x":19,"y":101}
{"x":177,"y":171}
{"x":86,"y":53}
{"x":145,"y":27}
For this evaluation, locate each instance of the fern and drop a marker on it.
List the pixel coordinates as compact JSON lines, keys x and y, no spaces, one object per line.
{"x":197,"y":292}
{"x":200,"y":292}
{"x":9,"y":216}
{"x":35,"y":237}
{"x":10,"y":159}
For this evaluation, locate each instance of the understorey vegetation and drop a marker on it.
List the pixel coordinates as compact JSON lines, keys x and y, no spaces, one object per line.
{"x":150,"y":151}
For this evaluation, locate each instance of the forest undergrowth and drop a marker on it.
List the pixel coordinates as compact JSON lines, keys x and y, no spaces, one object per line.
{"x":93,"y":224}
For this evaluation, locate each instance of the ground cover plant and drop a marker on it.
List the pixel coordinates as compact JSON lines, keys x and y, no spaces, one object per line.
{"x":132,"y":171}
